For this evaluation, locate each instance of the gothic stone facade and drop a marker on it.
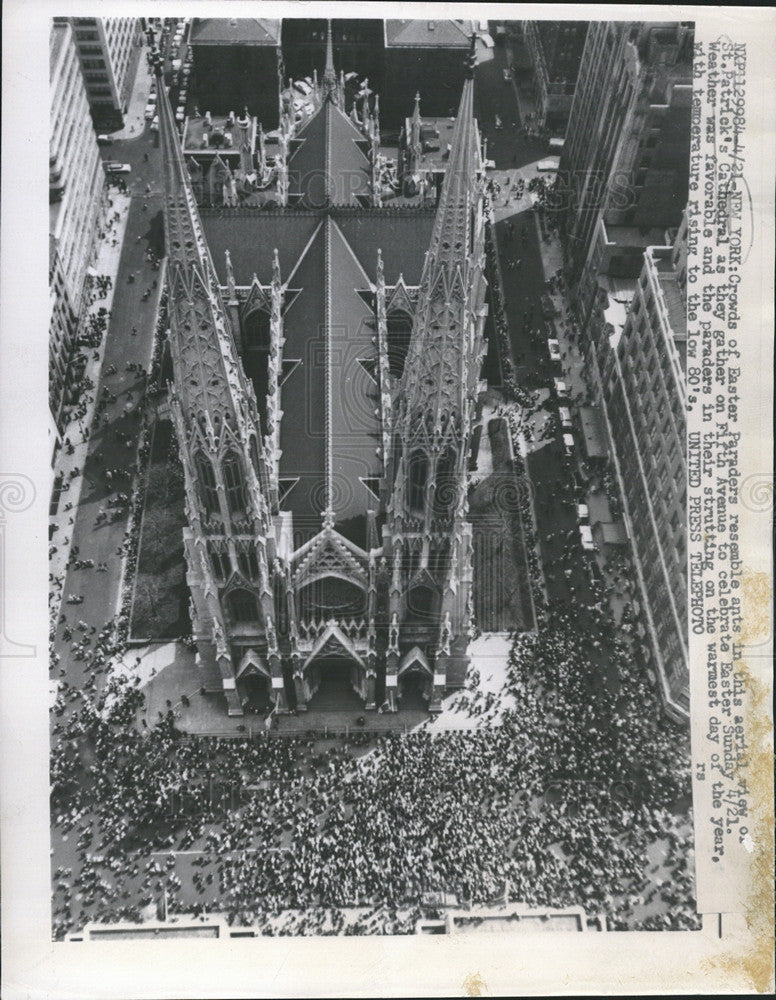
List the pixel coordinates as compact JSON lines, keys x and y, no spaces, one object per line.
{"x":326,"y":377}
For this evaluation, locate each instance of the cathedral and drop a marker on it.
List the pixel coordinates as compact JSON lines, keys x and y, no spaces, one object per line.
{"x":327,"y":352}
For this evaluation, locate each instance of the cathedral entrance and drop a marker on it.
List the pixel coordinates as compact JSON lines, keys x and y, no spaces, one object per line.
{"x":416,"y":680}
{"x":415,"y":690}
{"x":335,"y":685}
{"x":255,"y":692}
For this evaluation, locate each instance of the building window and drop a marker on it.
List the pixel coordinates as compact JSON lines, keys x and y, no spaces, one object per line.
{"x":248,"y":563}
{"x":445,"y":483}
{"x":399,"y":330}
{"x":222,"y":566}
{"x":257,"y":330}
{"x":233,"y":480}
{"x":418,"y":474}
{"x":243,"y":607}
{"x":207,"y":483}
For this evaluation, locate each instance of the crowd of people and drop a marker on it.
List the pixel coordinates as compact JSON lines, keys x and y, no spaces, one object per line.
{"x":563,"y":802}
{"x":572,"y":789}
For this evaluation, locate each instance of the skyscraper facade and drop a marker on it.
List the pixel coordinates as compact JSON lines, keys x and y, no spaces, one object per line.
{"x":641,"y":363}
{"x":76,"y":183}
{"x":626,"y":155}
{"x":556,"y":50}
{"x":109,"y":49}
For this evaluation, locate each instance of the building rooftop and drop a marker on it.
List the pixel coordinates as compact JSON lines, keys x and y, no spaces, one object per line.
{"x":56,"y":40}
{"x":235,"y":31}
{"x":436,"y":134}
{"x":635,"y":236}
{"x":195,"y":130}
{"x":427,"y":34}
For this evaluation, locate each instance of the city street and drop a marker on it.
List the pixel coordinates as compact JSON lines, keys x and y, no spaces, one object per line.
{"x":130,"y":312}
{"x":495,"y":97}
{"x":522,"y":248}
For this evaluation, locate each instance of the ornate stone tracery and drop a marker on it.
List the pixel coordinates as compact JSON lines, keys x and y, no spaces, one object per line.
{"x":262,"y":605}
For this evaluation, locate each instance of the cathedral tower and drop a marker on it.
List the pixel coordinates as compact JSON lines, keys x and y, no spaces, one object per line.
{"x":427,"y":538}
{"x":229,"y":541}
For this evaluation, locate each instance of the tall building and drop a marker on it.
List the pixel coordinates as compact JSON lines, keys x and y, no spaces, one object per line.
{"x":109,"y":49}
{"x":641,"y":362}
{"x":235,"y":65}
{"x":236,"y":62}
{"x":325,"y":478}
{"x":76,"y":183}
{"x":425,"y":57}
{"x":626,"y":154}
{"x":556,"y":49}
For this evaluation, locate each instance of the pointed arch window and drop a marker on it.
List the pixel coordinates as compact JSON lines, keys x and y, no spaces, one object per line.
{"x":255,"y":456}
{"x":233,"y":481}
{"x":222,"y":566}
{"x":399,"y":330}
{"x":206,"y":478}
{"x":249,"y":564}
{"x":256,"y":327}
{"x":445,"y":482}
{"x":243,"y":607}
{"x":418,"y":475}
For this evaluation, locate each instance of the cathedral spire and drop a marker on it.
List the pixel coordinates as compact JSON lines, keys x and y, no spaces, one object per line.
{"x":209,"y":382}
{"x":441,"y":368}
{"x":451,"y":227}
{"x":329,"y":76}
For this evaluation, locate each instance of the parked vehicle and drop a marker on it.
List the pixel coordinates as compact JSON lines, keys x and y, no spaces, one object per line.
{"x":554,"y":348}
{"x":114,"y":167}
{"x":104,"y":140}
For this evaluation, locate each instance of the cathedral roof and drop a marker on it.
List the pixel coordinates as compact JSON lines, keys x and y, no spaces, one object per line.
{"x":251,"y":236}
{"x":329,"y":165}
{"x":235,"y":31}
{"x":329,"y":431}
{"x":402,"y":235}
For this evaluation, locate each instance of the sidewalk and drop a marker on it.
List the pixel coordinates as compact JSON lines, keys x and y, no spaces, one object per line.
{"x":134,"y":120}
{"x":525,"y":100}
{"x":574,"y":376}
{"x":78,"y":431}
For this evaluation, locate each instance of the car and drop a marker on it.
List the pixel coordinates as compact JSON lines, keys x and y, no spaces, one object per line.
{"x":568,"y":443}
{"x":507,"y":74}
{"x":586,"y":537}
{"x":548,"y":166}
{"x":114,"y":167}
{"x":104,"y":140}
{"x":150,"y":111}
{"x":554,"y":348}
{"x":155,"y":124}
{"x":565,"y":416}
{"x":582,"y":513}
{"x":561,"y":388}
